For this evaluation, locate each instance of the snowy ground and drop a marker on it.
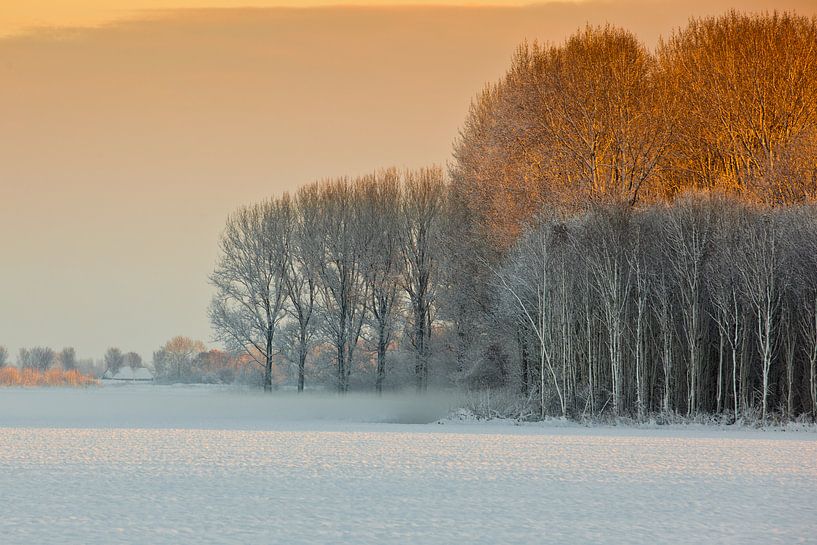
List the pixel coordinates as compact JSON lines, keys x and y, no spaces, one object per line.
{"x":185,"y":465}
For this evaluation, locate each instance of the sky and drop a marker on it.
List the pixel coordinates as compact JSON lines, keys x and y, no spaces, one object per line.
{"x":128,"y":133}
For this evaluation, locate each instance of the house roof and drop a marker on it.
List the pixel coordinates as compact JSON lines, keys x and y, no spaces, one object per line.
{"x":128,"y":373}
{"x":142,"y":373}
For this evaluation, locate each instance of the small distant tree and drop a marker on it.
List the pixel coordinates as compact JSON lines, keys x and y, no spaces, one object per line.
{"x":24,"y":358}
{"x":68,"y":358}
{"x":114,"y":359}
{"x":39,"y":357}
{"x":4,"y":356}
{"x":214,"y":366}
{"x":175,"y":359}
{"x":87,"y":366}
{"x":133,"y":360}
{"x":161,"y":364}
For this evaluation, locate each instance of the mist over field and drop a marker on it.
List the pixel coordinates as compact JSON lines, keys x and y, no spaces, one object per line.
{"x":209,"y":407}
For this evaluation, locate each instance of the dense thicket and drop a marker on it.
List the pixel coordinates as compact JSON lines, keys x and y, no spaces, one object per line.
{"x":647,"y":217}
{"x":624,"y":232}
{"x":704,"y":305}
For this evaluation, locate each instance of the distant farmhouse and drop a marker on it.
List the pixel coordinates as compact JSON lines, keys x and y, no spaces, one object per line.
{"x":129,"y":374}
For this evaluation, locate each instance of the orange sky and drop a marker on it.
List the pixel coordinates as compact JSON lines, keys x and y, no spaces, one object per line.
{"x":20,"y":15}
{"x":124,"y":146}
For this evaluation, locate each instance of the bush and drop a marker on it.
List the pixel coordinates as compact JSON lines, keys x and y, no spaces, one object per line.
{"x":11,"y":376}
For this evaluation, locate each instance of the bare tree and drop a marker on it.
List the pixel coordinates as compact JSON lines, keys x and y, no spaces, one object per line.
{"x":761,"y":273}
{"x":383,"y":259}
{"x":250,"y":280}
{"x":40,"y":358}
{"x":807,"y":281}
{"x":301,"y":278}
{"x":174,"y":360}
{"x":114,"y":359}
{"x":723,"y":279}
{"x":423,"y":203}
{"x":690,"y":232}
{"x":68,"y":358}
{"x":133,"y":360}
{"x":530,"y":282}
{"x":600,"y":101}
{"x":4,"y":356}
{"x":662,"y":310}
{"x":747,"y":90}
{"x":608,"y":239}
{"x":567,"y":125}
{"x":640,"y":270}
{"x":333,"y":247}
{"x":797,"y":282}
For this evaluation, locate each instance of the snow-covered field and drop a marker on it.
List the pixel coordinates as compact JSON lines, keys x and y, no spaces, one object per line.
{"x":187,"y":465}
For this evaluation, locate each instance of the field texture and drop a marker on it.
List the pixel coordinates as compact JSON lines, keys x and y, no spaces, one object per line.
{"x":358,"y":480}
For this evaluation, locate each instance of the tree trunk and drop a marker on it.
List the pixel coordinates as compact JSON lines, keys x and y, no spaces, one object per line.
{"x":744,"y":375}
{"x":341,"y":366}
{"x":692,"y":397}
{"x":666,"y":345}
{"x":735,"y":379}
{"x":639,"y":357}
{"x":719,"y":401}
{"x":542,"y":380}
{"x":813,"y":384}
{"x":813,"y":360}
{"x":765,"y":334}
{"x":790,"y":347}
{"x":734,"y":346}
{"x":268,"y":375}
{"x":348,"y":365}
{"x":301,"y":364}
{"x":381,"y":360}
{"x":523,"y":348}
{"x":420,"y":367}
{"x":268,"y":366}
{"x":590,"y":358}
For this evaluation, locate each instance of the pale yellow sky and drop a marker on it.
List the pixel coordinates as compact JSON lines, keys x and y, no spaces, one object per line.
{"x":124,"y":147}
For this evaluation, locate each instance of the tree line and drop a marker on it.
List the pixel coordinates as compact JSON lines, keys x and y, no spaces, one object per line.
{"x":180,"y":360}
{"x":44,"y":358}
{"x":341,"y":260}
{"x":621,"y":231}
{"x":185,"y":360}
{"x":707,"y":304}
{"x":648,"y":217}
{"x":727,"y":103}
{"x":43,"y":366}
